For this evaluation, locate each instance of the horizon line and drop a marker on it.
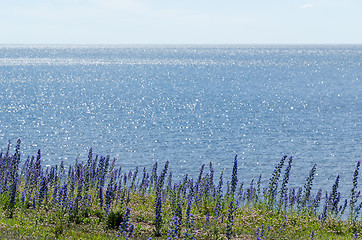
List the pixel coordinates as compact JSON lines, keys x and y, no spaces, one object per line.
{"x":176,"y":44}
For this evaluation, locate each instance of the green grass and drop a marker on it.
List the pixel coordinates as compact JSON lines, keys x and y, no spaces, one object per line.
{"x":98,"y":196}
{"x":44,"y":223}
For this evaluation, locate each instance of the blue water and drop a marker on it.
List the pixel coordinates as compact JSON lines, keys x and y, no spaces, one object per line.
{"x":189,"y":105}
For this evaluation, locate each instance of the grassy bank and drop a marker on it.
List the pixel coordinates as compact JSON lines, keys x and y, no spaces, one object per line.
{"x":92,"y":199}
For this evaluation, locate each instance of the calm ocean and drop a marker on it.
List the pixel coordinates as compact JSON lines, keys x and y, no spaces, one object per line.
{"x":189,"y":105}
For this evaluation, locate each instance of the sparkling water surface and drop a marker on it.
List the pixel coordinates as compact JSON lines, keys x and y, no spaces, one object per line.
{"x":188,"y":104}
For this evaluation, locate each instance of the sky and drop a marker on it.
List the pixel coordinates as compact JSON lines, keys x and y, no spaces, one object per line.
{"x":180,"y":22}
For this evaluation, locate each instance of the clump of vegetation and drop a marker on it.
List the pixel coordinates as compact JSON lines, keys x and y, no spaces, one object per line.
{"x":96,"y":200}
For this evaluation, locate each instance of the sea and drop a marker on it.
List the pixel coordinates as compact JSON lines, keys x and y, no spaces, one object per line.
{"x":189,"y":105}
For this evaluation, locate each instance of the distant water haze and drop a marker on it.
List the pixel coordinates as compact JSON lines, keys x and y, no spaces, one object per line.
{"x":190,"y":105}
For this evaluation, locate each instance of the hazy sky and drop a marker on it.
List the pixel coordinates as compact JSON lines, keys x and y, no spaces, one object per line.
{"x":180,"y":21}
